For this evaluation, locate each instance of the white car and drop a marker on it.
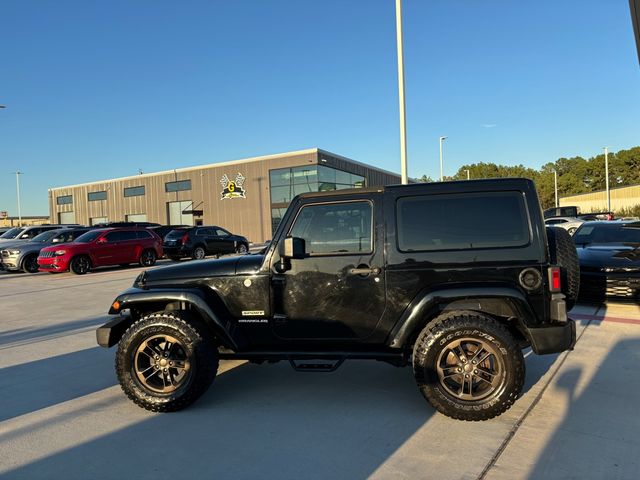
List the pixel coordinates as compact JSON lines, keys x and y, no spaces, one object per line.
{"x":570,"y":224}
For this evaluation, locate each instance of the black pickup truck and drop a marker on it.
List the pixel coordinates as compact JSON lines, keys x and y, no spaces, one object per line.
{"x":454,"y":279}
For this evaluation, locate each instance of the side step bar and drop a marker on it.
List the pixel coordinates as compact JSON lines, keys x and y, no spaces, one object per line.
{"x":320,"y":366}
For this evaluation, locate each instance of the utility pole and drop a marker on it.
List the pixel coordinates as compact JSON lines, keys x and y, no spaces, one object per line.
{"x":441,"y":161}
{"x":18,"y":173}
{"x":606,"y":174}
{"x":403,"y":118}
{"x":555,"y":185}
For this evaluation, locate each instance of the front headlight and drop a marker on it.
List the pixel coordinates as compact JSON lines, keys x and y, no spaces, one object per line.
{"x":14,"y":252}
{"x":59,"y":253}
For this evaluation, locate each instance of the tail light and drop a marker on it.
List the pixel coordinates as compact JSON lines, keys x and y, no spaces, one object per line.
{"x":555,"y":281}
{"x":185,"y":238}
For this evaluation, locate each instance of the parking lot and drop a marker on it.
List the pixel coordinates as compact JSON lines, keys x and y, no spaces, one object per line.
{"x":62,"y":414}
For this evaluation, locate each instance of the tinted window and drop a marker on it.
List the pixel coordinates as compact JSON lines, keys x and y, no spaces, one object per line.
{"x":89,"y":236}
{"x":144,"y":234}
{"x":607,"y":233}
{"x":64,"y":200}
{"x":12,"y":233}
{"x":203,"y":231}
{"x":134,"y":191}
{"x":123,"y":236}
{"x":335,"y":228}
{"x":222,"y":233}
{"x":45,"y":236}
{"x":176,"y":233}
{"x":470,"y":221}
{"x":554,"y":222}
{"x":114,"y":236}
{"x":178,"y":186}
{"x":93,"y":196}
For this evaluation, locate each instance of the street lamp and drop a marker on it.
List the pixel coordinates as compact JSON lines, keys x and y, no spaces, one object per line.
{"x":468,"y":176}
{"x":18,"y":194}
{"x":441,"y":162}
{"x":403,"y":128}
{"x":606,"y":174}
{"x":555,"y":185}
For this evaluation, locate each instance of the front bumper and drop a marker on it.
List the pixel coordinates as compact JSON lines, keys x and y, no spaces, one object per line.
{"x":53,"y":264}
{"x":553,"y":338}
{"x":111,"y":332}
{"x":597,"y":286}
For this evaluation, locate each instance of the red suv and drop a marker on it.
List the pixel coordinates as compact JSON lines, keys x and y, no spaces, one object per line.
{"x":102,"y":247}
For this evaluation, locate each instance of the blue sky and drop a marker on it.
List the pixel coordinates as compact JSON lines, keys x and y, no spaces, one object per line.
{"x":100,"y":89}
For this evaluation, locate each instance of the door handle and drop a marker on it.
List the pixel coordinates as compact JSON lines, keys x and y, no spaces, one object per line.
{"x":365,"y":271}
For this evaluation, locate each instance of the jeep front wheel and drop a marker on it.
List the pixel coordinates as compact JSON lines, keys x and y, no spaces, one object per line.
{"x":468,"y":366}
{"x":165,"y":361}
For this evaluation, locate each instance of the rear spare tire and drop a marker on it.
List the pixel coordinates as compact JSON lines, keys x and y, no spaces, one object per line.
{"x":562,"y":252}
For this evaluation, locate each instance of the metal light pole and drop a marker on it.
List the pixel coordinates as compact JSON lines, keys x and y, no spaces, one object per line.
{"x":606,"y":174}
{"x":555,"y":185}
{"x":18,"y":193}
{"x":468,"y":176}
{"x":403,"y":128}
{"x":441,"y":161}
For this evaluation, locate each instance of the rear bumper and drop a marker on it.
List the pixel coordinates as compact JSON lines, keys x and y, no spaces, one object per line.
{"x":553,"y":338}
{"x":176,"y":251}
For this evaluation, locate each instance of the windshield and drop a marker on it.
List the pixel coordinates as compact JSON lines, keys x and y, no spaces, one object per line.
{"x":44,"y":236}
{"x":176,"y":233}
{"x":13,"y":233}
{"x":89,"y":236}
{"x":607,"y":233}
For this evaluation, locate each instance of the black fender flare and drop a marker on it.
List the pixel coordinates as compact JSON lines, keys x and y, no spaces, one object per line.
{"x":223,"y":328}
{"x":416,"y":314}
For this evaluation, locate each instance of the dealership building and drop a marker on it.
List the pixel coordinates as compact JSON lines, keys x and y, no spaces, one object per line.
{"x":247,"y":197}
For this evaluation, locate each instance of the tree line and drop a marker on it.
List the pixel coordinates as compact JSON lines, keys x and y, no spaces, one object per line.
{"x":575,"y":175}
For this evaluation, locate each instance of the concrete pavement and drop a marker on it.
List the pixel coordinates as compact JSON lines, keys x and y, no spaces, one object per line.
{"x":62,"y":414}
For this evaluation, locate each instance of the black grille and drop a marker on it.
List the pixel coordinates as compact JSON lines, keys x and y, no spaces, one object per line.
{"x":46,"y":254}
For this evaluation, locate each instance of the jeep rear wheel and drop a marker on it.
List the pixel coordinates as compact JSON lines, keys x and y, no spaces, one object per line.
{"x":165,"y":361}
{"x":468,"y":366}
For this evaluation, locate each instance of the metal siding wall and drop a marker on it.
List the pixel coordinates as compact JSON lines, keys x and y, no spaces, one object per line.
{"x":250,"y":216}
{"x":623,"y":197}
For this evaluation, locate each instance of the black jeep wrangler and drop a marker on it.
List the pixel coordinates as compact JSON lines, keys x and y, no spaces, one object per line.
{"x":454,"y":278}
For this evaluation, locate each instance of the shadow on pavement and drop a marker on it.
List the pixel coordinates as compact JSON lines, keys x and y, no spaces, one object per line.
{"x":34,"y":385}
{"x":598,"y":437}
{"x":24,"y":336}
{"x":257,"y":422}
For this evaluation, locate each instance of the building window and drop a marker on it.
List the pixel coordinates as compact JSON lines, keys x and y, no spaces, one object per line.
{"x":134,"y":191}
{"x":175,"y":215}
{"x":136,"y":217}
{"x":64,"y":200}
{"x":65,"y":218}
{"x":98,"y":220}
{"x":93,"y":196}
{"x":179,"y":186}
{"x":286,"y":183}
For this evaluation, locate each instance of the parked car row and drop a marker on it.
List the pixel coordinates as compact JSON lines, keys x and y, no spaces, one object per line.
{"x":80,"y":249}
{"x":609,"y":255}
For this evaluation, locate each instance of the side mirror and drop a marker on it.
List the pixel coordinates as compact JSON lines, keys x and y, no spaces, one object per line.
{"x":292,"y":247}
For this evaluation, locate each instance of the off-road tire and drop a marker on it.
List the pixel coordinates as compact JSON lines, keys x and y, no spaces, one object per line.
{"x":148,"y":258}
{"x":30,"y":263}
{"x":198,"y":344}
{"x":563,"y":253}
{"x":445,"y":330}
{"x":80,"y":265}
{"x":198,"y":252}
